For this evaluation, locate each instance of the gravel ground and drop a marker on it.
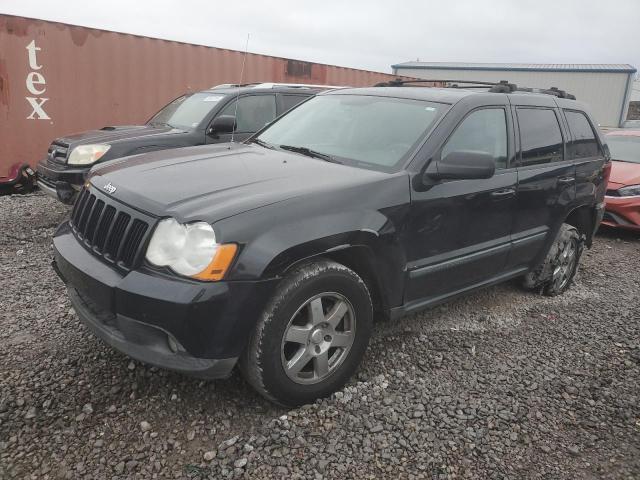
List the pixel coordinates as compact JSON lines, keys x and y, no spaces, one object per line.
{"x":500,"y":384}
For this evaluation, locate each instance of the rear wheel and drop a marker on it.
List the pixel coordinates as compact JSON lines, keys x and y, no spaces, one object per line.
{"x":555,"y":274}
{"x":312,"y":335}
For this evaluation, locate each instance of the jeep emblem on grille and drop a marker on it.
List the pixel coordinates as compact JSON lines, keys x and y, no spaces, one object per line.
{"x":109,"y":188}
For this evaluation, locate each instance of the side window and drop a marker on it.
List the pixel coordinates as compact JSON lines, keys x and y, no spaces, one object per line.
{"x":583,"y":142}
{"x":540,"y":136}
{"x":482,"y":131}
{"x":254,"y":112}
{"x":290,"y":101}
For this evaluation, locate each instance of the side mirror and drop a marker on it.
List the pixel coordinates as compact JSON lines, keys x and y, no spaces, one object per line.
{"x":462,"y":165}
{"x":223,"y":124}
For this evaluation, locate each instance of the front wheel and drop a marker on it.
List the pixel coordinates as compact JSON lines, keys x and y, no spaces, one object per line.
{"x":555,"y":274}
{"x":312,"y":335}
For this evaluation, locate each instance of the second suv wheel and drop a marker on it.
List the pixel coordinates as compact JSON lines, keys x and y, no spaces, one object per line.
{"x":312,"y":335}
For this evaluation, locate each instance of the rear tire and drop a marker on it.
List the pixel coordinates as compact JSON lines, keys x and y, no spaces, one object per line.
{"x":555,"y":274}
{"x":311,"y":336}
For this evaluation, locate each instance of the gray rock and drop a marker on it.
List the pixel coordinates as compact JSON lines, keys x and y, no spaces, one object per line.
{"x":552,"y":388}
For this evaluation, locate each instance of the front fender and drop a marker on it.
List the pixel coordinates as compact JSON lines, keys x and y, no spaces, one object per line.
{"x":274,"y":249}
{"x":276,"y":236}
{"x":372,"y":250}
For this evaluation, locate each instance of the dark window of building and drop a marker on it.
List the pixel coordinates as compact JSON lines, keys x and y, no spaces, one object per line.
{"x":583,"y":141}
{"x":540,"y":136}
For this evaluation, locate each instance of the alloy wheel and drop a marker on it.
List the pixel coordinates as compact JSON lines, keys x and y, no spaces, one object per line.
{"x":566,"y":264}
{"x":318,"y":338}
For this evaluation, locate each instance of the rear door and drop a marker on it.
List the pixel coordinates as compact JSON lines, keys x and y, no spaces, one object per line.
{"x":252,"y":112}
{"x":546,"y":179}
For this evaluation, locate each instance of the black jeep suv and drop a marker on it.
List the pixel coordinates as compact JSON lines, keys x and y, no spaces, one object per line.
{"x":193,"y":119}
{"x":274,"y":254}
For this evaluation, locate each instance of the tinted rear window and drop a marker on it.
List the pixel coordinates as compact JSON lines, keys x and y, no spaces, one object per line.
{"x":540,"y":136}
{"x":583,"y":141}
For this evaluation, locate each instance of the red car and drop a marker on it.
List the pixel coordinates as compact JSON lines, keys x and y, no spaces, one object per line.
{"x":623,"y":192}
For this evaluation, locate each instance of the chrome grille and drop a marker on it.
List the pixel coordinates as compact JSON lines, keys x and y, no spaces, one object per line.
{"x":107,"y":230}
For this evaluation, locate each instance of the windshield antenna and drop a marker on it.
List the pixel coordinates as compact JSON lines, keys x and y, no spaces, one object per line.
{"x":235,"y":114}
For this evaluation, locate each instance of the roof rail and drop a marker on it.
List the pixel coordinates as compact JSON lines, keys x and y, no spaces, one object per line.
{"x":271,"y":85}
{"x":293,"y":85}
{"x":232,"y":85}
{"x":503,"y":86}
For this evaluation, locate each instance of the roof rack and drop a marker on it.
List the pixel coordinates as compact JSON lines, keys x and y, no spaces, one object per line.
{"x":293,"y":85}
{"x":272,"y":85}
{"x":503,"y":86}
{"x":232,"y":85}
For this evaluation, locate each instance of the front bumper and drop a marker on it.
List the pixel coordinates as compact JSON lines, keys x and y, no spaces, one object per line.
{"x":198,"y":328}
{"x":622,"y":212}
{"x":60,"y":181}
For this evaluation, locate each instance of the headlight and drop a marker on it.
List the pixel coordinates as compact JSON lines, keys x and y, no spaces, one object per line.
{"x":190,"y":250}
{"x":630,"y":191}
{"x":87,"y":154}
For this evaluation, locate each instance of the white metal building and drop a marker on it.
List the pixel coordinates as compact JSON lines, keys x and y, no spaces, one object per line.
{"x":605,"y":87}
{"x":635,"y":92}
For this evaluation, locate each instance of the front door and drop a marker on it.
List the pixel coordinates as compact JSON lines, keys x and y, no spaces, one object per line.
{"x":252,"y":112}
{"x":459,"y":230}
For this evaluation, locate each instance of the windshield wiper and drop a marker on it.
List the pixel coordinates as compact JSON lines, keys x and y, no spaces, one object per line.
{"x":262,"y":143}
{"x":310,"y":153}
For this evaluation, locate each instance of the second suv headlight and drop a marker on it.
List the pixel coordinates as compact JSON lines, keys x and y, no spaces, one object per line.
{"x":190,"y":250}
{"x":87,"y":154}
{"x":630,"y":191}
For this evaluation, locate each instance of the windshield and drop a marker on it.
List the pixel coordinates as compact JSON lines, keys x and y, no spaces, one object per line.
{"x":365,"y":131}
{"x":625,"y":149}
{"x":187,"y":111}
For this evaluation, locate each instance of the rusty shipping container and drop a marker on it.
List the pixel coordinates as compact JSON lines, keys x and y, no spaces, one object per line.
{"x":57,"y":79}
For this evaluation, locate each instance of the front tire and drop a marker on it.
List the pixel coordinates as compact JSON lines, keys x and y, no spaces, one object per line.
{"x":311,"y":336}
{"x":555,"y":274}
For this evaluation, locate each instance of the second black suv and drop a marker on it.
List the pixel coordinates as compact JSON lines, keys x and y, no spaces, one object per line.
{"x":193,"y":119}
{"x":275,"y":254}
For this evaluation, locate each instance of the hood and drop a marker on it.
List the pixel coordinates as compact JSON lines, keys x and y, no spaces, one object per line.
{"x":213,"y":182}
{"x":624,"y":173}
{"x":111,"y":135}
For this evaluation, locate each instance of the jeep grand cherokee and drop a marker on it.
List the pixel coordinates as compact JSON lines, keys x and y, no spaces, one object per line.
{"x":273,"y":255}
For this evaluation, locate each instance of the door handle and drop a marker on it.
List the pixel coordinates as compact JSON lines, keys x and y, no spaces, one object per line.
{"x":504,"y":193}
{"x":566,"y":180}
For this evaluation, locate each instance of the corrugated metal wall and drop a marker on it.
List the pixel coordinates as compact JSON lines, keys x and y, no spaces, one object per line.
{"x":603,"y":92}
{"x":57,"y":79}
